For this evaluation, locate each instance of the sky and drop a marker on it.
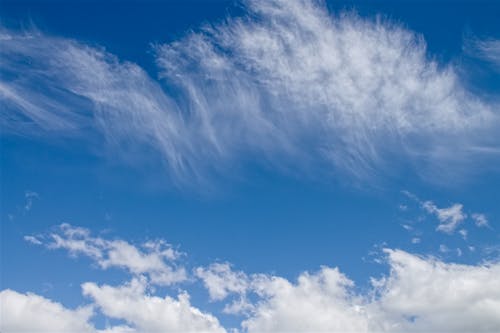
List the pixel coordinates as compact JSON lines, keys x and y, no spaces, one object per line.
{"x":250,"y":166}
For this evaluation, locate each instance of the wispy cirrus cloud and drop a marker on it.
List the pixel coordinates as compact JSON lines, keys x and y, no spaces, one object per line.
{"x":485,"y":49}
{"x":288,"y":84}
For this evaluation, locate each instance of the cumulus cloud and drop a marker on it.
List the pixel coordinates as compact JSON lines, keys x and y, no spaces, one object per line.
{"x":449,"y":218}
{"x":145,"y":313}
{"x":425,"y":294}
{"x":32,"y":313}
{"x":319,"y":302}
{"x":220,"y":280}
{"x":130,"y":303}
{"x":417,"y":294}
{"x":156,"y":259}
{"x":287,"y":82}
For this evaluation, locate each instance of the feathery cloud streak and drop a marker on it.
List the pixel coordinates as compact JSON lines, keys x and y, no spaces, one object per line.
{"x":288,"y":82}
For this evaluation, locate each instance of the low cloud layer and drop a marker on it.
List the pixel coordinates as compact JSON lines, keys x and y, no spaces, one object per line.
{"x":288,"y":84}
{"x":417,"y":294}
{"x":146,"y":313}
{"x":33,"y":313}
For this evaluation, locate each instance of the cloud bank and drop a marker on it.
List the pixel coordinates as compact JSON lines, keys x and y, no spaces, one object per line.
{"x":288,"y":84}
{"x":417,"y":294}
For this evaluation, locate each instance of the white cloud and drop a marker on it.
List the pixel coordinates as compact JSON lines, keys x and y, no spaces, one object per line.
{"x":130,"y":303}
{"x":443,"y":248}
{"x":418,"y":295}
{"x":156,"y":259}
{"x":289,"y":82}
{"x":319,"y":302}
{"x":486,"y":49}
{"x":32,"y":240}
{"x":29,"y":197}
{"x":480,"y":220}
{"x":463,"y":233}
{"x":87,"y":90}
{"x":145,"y":313}
{"x":32,"y":313}
{"x":449,"y":218}
{"x":424,"y":294}
{"x":220,"y":280}
{"x":348,"y":87}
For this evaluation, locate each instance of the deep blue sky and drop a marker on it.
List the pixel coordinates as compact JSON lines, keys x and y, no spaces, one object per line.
{"x":260,"y":219}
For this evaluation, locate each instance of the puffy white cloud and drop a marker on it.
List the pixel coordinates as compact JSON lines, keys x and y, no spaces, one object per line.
{"x":449,"y":217}
{"x":220,"y":280}
{"x":288,"y":82}
{"x":32,"y":313}
{"x":130,"y":302}
{"x":418,"y":295}
{"x":319,"y":302}
{"x":156,"y":259}
{"x":146,"y":313}
{"x":424,"y":294}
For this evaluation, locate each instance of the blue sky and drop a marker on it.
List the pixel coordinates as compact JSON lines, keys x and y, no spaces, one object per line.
{"x":257,"y":166}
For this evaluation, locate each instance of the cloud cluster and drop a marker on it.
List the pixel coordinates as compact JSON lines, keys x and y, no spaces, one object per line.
{"x":154,"y":259}
{"x":146,"y":313}
{"x":450,"y":218}
{"x":130,"y":303}
{"x":288,"y":84}
{"x":417,"y":294}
